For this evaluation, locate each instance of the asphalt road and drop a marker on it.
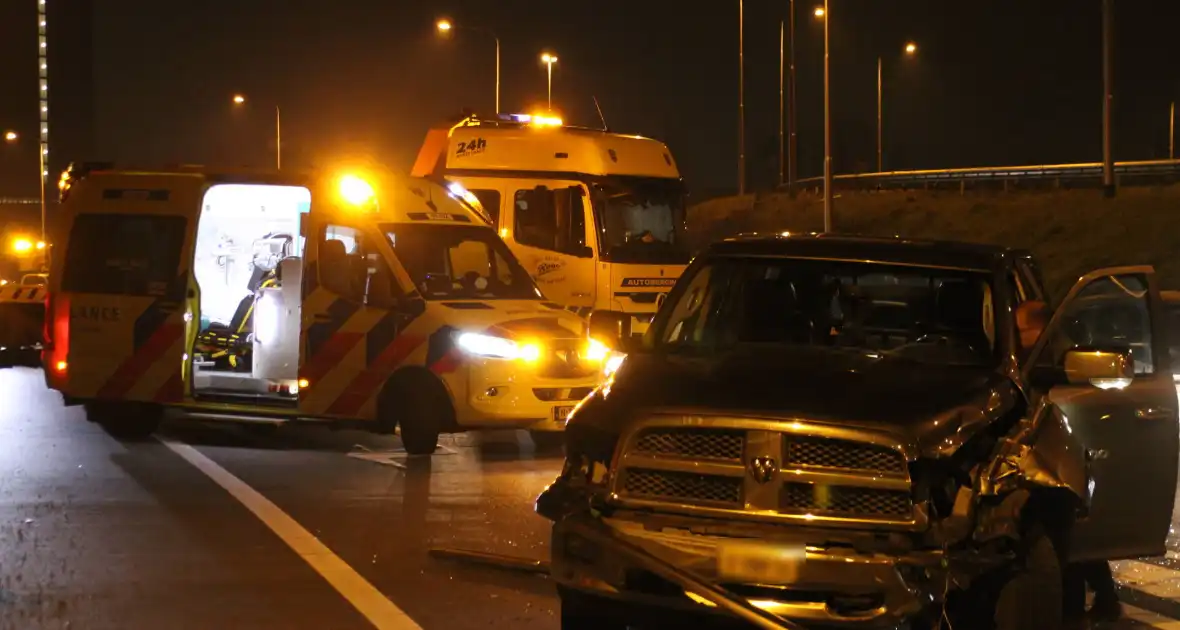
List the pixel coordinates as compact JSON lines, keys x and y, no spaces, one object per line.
{"x":220,"y":526}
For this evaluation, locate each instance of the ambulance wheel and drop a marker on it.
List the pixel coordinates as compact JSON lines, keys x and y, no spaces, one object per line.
{"x":420,"y":406}
{"x":126,"y":422}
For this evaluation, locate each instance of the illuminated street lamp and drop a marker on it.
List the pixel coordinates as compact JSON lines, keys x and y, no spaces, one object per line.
{"x":11,"y":136}
{"x":444,"y":27}
{"x":239,"y":100}
{"x":820,"y":11}
{"x":549,"y":59}
{"x":910,"y":49}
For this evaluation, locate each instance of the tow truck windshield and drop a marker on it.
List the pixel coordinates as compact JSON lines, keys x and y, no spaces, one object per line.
{"x":641,"y":220}
{"x":929,"y":315}
{"x":456,"y":262}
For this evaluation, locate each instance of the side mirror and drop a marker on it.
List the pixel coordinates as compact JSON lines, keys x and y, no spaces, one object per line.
{"x":1085,"y":366}
{"x":582,"y":251}
{"x":611,"y":328}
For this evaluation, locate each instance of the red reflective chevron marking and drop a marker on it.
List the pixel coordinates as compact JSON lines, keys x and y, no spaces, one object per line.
{"x":368,"y":381}
{"x":145,"y":356}
{"x":331,"y":353}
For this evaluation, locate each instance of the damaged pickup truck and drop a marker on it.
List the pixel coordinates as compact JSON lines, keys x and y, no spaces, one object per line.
{"x":857,"y":432}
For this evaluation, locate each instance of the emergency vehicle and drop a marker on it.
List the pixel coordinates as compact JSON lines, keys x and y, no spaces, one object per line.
{"x":384,"y":300}
{"x":597,"y":218}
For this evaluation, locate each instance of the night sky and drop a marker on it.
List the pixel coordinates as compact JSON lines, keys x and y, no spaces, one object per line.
{"x":993,"y":83}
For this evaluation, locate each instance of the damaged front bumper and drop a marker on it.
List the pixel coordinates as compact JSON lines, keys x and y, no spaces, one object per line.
{"x":834,"y":585}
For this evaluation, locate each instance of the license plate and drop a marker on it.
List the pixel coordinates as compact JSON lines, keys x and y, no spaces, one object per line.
{"x":763,"y":562}
{"x":560,"y":414}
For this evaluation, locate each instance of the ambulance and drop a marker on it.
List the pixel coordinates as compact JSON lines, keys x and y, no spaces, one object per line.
{"x":377,"y":300}
{"x":597,"y":218}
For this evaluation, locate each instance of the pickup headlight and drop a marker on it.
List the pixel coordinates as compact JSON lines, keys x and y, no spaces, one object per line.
{"x":497,"y":347}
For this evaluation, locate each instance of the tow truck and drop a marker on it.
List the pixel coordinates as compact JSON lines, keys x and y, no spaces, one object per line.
{"x":597,"y":218}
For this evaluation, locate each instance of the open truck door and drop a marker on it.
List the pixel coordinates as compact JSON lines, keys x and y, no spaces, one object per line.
{"x":1104,"y":362}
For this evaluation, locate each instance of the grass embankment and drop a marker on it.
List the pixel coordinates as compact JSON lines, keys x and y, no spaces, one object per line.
{"x":1070,"y":232}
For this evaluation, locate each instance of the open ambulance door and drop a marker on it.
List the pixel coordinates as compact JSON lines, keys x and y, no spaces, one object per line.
{"x":121,"y":287}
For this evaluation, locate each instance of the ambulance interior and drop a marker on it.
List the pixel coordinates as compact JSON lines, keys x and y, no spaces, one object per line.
{"x":248,"y":266}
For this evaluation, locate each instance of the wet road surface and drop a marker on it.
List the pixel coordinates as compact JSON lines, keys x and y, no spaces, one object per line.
{"x":218,"y":525}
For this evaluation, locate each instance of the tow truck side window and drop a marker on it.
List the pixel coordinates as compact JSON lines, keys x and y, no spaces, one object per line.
{"x":124,"y":254}
{"x":553,"y":220}
{"x":344,"y":268}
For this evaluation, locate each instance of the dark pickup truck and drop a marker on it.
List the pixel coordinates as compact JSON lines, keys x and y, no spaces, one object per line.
{"x":858,"y":432}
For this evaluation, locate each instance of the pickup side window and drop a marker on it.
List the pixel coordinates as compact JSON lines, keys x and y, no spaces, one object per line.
{"x":490,"y":200}
{"x":1030,"y":279}
{"x":1109,"y":313}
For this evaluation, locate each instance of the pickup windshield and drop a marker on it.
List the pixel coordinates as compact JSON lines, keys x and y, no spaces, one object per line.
{"x":930,"y":315}
{"x":641,"y":220}
{"x":459,"y":262}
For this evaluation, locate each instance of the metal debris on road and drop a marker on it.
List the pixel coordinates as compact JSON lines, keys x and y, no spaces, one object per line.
{"x":395,"y":457}
{"x":493,"y":560}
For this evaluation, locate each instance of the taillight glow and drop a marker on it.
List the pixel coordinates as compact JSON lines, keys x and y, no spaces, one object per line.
{"x":60,"y":366}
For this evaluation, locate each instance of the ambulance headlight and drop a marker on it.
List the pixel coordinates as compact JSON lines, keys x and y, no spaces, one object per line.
{"x":497,"y":347}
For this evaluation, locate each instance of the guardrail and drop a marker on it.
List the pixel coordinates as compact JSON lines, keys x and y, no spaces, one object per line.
{"x":1088,"y":174}
{"x":21,"y":201}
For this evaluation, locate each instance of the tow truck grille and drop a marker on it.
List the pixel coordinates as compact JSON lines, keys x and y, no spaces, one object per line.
{"x":679,"y":486}
{"x":693,"y":444}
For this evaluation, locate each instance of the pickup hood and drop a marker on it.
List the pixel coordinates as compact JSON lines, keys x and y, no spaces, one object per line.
{"x":934,"y":407}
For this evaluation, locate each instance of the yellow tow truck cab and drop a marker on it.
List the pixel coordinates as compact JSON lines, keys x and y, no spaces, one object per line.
{"x":383,"y":300}
{"x":597,"y":218}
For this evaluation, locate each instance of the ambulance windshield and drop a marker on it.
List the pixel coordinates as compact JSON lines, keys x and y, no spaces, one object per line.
{"x":641,"y":220}
{"x":459,"y":262}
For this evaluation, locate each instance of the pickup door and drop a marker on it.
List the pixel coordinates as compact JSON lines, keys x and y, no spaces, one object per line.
{"x":1127,"y":426}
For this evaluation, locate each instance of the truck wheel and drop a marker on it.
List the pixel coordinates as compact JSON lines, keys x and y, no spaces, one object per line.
{"x":421,"y":407}
{"x":126,"y":422}
{"x":548,"y":441}
{"x":583,"y":612}
{"x":1032,"y":596}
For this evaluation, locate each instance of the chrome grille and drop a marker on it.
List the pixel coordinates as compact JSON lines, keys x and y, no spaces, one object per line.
{"x":693,"y":444}
{"x":813,"y":452}
{"x":679,"y":486}
{"x":845,"y":501}
{"x":782,"y":470}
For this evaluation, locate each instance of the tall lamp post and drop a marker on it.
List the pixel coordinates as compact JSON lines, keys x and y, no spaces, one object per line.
{"x":1107,"y":96}
{"x":741,"y":98}
{"x":549,"y":59}
{"x":445,"y":26}
{"x":823,"y":14}
{"x":910,"y":49}
{"x":240,"y":100}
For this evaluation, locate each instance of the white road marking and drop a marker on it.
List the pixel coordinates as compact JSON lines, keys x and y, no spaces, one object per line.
{"x":363,"y":596}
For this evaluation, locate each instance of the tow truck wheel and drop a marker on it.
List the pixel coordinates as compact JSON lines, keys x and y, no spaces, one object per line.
{"x":1031,"y":597}
{"x":126,"y":422}
{"x":420,"y":406}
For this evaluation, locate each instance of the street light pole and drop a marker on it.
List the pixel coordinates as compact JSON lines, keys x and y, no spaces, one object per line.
{"x":444,"y":26}
{"x":741,"y":99}
{"x":828,"y":122}
{"x":1107,"y":98}
{"x":791,"y":100}
{"x":1172,"y":131}
{"x":497,"y":73}
{"x":549,"y":60}
{"x":782,"y":162}
{"x":880,"y":133}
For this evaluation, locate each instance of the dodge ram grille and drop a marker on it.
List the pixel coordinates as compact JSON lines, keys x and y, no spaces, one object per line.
{"x":765,"y":469}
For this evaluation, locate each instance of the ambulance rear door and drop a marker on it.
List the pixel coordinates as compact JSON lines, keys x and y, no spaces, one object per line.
{"x":122,"y":293}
